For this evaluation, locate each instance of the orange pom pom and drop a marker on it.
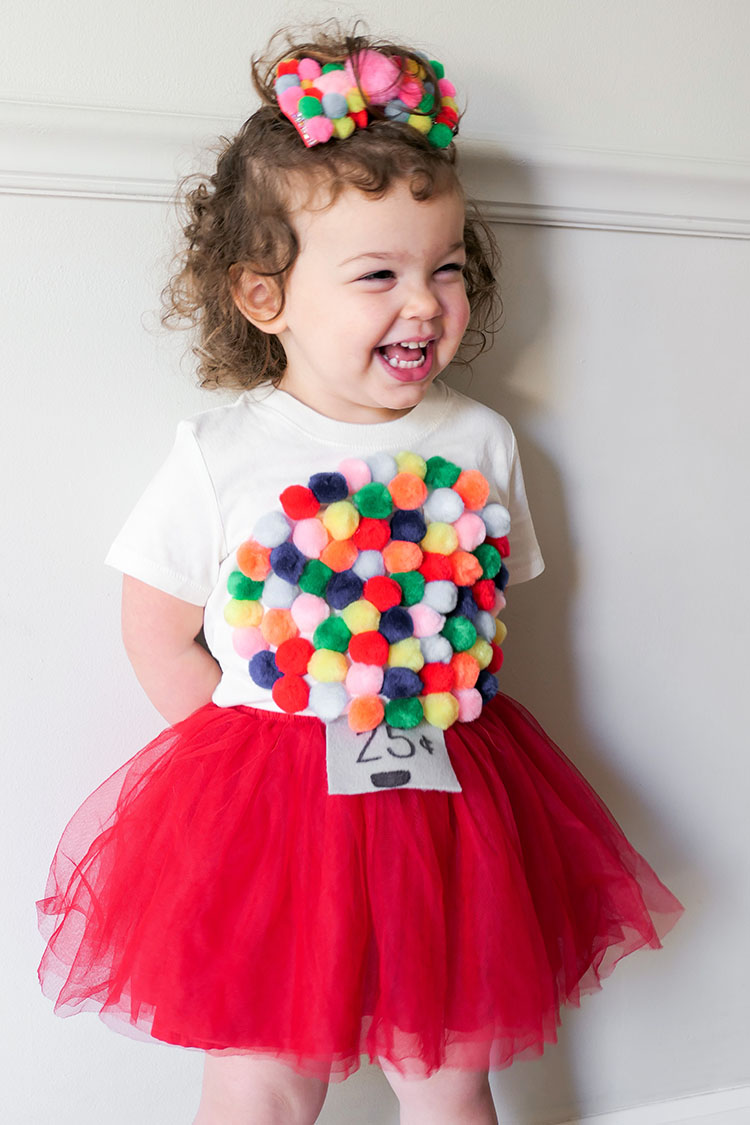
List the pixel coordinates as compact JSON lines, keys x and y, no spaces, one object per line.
{"x":340,"y":554}
{"x":466,"y":568}
{"x":254,"y":560}
{"x":407,"y":491}
{"x":278,"y":626}
{"x":473,"y":488}
{"x":365,"y":712}
{"x":401,"y":555}
{"x":466,"y":670}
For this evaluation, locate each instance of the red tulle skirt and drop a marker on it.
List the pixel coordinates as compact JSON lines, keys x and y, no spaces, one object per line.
{"x":211,"y":893}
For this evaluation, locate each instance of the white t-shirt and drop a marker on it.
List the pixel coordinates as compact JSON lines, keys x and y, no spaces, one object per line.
{"x":229,"y":465}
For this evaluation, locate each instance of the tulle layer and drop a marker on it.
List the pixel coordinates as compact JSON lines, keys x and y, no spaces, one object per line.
{"x":211,"y":893}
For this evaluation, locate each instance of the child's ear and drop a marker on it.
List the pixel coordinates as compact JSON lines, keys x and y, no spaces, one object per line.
{"x":258,"y":298}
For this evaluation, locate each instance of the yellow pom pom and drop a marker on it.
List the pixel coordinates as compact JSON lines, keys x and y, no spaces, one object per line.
{"x":481,"y":650}
{"x":441,"y":539}
{"x":306,"y":83}
{"x":406,"y":654}
{"x":355,"y":101}
{"x":420,"y":121}
{"x":411,"y":66}
{"x":411,"y":463}
{"x":328,"y":666}
{"x":341,"y":519}
{"x":343,"y":127}
{"x":501,"y":631}
{"x":440,"y":709}
{"x":450,"y":102}
{"x":241,"y":614}
{"x":361,"y":616}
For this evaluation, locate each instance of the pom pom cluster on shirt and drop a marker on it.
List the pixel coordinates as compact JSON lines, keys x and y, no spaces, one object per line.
{"x":373,"y":592}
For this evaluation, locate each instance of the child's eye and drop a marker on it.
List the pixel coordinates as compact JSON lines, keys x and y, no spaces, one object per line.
{"x":379,"y":275}
{"x":451,"y":267}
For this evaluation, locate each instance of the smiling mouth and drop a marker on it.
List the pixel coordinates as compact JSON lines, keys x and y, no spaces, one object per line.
{"x":405,"y":357}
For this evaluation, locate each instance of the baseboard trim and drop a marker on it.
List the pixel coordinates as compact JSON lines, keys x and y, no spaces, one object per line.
{"x":136,"y":155}
{"x":718,"y":1107}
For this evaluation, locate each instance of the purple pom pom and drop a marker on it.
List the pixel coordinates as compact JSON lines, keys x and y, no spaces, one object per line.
{"x":401,"y":683}
{"x":466,"y":606}
{"x":328,"y":487}
{"x":502,"y":577}
{"x":408,"y":525}
{"x":263,"y":669}
{"x":343,"y":588}
{"x":288,"y":562}
{"x":396,"y":624}
{"x":487,"y":685}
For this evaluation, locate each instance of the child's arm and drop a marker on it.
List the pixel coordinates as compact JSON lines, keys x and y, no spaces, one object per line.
{"x":159,"y":632}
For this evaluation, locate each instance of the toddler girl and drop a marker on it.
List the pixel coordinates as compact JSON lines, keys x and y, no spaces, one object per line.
{"x":348,"y":841}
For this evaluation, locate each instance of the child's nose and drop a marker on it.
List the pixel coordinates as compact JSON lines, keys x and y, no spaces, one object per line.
{"x":421,"y":302}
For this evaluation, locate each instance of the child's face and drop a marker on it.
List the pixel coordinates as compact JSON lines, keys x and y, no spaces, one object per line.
{"x":370,"y":273}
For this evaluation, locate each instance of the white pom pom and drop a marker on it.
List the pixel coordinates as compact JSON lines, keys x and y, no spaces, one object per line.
{"x":328,"y":701}
{"x":278,"y":593}
{"x":496,"y":520}
{"x":272,"y":529}
{"x":441,"y":595}
{"x":484,"y":623}
{"x":368,"y":564}
{"x":382,"y":466}
{"x":436,"y":650}
{"x":443,"y":505}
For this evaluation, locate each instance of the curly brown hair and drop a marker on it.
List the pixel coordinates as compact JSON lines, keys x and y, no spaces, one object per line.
{"x":240,"y":216}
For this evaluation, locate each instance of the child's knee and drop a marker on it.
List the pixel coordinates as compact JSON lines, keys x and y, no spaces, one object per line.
{"x":447,"y":1090}
{"x":240,"y":1089}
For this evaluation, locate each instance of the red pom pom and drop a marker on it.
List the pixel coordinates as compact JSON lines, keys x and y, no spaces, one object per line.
{"x":290,"y":693}
{"x":288,"y":66}
{"x":313,"y":92}
{"x":360,"y":118}
{"x":371,"y":535}
{"x":435,"y":567}
{"x":447,"y":115}
{"x":497,"y":658}
{"x":299,"y":502}
{"x":369,"y":648}
{"x":501,"y":544}
{"x":384,"y":593}
{"x":437,"y":677}
{"x":484,"y":593}
{"x":294,"y":655}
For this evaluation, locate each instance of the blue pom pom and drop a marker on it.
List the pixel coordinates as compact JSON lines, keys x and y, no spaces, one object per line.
{"x":502,"y":577}
{"x":288,"y":562}
{"x":397,"y":111}
{"x":401,"y":683}
{"x":466,"y":606}
{"x":263,"y":669}
{"x":343,"y":588}
{"x":328,"y":487}
{"x":487,"y":685}
{"x":396,"y":624}
{"x":335,"y":105}
{"x":284,"y":81}
{"x":277,"y":592}
{"x":408,"y":525}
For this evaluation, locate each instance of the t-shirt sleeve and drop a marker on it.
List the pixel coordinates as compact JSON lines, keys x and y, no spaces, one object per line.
{"x":174,"y":537}
{"x":525,"y":559}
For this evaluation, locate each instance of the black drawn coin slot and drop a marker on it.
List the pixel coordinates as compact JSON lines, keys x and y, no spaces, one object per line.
{"x":390,"y":779}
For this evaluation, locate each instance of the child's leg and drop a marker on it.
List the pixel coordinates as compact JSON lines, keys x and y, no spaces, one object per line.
{"x":255,"y":1090}
{"x":447,"y":1097}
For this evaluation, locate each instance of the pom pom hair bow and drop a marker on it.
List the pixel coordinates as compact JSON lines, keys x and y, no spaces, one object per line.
{"x":331,"y":100}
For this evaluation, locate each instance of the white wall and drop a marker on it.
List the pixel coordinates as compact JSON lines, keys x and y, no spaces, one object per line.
{"x":623,"y":367}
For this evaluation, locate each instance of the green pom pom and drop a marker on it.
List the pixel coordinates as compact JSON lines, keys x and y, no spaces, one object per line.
{"x":412,"y":586}
{"x":314,"y":578}
{"x":440,"y":135}
{"x":404,"y":713}
{"x":310,"y":107}
{"x":441,"y":473}
{"x":489,"y":559}
{"x":332,"y":66}
{"x":438,"y":68}
{"x":373,"y":501}
{"x":460,"y":632}
{"x":426,"y":105}
{"x":244,"y":588}
{"x":332,"y":633}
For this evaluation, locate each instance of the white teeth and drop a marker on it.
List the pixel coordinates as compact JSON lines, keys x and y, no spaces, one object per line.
{"x":406,"y":362}
{"x":413,"y":343}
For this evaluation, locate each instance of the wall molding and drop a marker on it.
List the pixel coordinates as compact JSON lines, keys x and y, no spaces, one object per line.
{"x":138,"y":155}
{"x":719,"y":1107}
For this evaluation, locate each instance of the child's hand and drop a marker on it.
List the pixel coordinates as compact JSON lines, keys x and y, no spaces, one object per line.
{"x":159,"y":632}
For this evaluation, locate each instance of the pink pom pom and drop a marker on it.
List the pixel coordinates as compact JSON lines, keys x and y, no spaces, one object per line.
{"x":500,"y":602}
{"x":427,"y":621}
{"x":320,"y":128}
{"x":289,"y":99}
{"x":364,"y":679}
{"x":469,"y":704}
{"x":334,"y":82}
{"x":356,"y":471}
{"x":308,"y":611}
{"x":446,"y":88}
{"x":378,"y":75}
{"x":410,"y":92}
{"x":310,"y":537}
{"x":248,"y":641}
{"x":309,"y":68}
{"x":471,"y":531}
